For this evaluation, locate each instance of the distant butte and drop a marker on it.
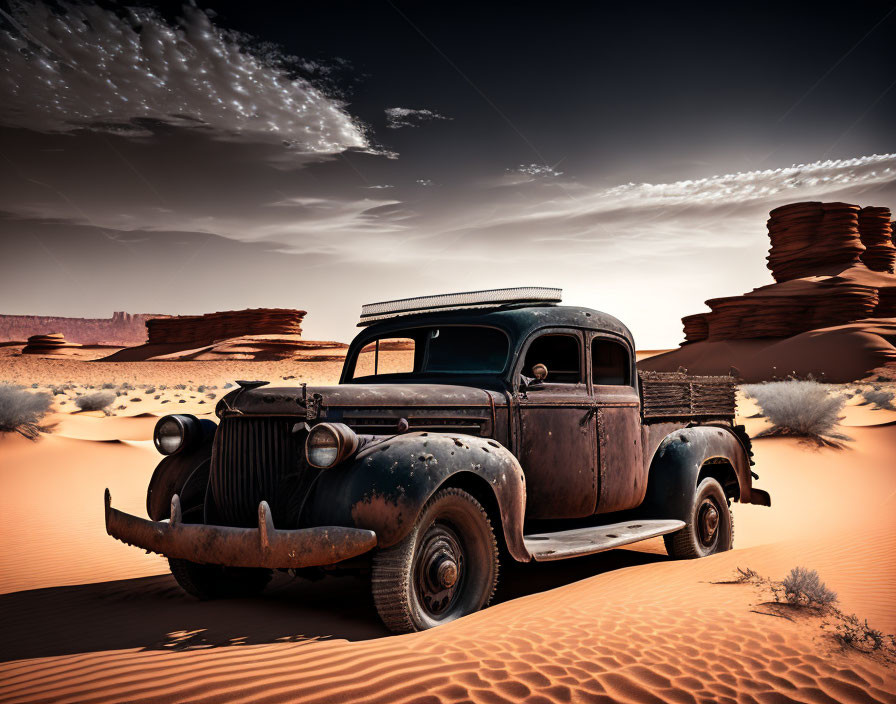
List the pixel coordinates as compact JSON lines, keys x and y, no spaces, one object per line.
{"x":253,"y":334}
{"x":831,"y":312}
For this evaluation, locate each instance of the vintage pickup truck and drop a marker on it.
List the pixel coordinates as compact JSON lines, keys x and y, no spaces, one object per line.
{"x":465,"y":429}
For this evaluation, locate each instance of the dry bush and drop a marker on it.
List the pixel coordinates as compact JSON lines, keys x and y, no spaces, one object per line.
{"x":802,"y":408}
{"x":804,"y":587}
{"x":95,"y":402}
{"x":21,"y":411}
{"x":859,"y":635}
{"x":881,"y":399}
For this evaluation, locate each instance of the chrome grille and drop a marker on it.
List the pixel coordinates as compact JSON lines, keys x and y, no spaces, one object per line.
{"x":257,"y":459}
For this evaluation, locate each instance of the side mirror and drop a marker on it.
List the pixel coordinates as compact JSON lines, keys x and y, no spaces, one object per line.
{"x":540,"y":372}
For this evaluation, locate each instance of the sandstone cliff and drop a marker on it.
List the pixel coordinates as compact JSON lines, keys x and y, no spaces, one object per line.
{"x":258,"y":334}
{"x":121,"y":329}
{"x":198,"y":330}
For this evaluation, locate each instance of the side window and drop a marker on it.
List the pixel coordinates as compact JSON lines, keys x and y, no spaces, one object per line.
{"x":610,"y":364}
{"x":560,"y":354}
{"x":388,"y":355}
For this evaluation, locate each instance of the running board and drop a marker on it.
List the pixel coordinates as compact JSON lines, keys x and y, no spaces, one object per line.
{"x":587,"y":541}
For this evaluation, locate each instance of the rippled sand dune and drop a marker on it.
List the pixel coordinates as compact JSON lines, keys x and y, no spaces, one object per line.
{"x":86,"y":618}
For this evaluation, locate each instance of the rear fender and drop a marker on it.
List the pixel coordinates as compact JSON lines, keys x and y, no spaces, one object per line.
{"x":384,"y":488}
{"x":677,"y":464}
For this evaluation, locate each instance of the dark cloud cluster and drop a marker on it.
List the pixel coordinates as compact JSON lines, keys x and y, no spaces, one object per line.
{"x":81,"y":66}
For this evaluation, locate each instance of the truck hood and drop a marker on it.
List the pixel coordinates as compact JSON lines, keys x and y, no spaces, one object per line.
{"x":375,"y":408}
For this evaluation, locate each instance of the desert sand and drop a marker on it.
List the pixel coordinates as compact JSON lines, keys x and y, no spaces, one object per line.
{"x":86,"y":618}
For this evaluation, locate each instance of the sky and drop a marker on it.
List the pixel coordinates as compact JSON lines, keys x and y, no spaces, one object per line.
{"x":186,"y":158}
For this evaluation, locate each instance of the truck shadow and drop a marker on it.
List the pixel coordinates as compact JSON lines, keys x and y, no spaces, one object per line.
{"x":152,"y":613}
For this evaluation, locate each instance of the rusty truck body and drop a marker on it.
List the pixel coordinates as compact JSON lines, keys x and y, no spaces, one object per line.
{"x":464,"y":430}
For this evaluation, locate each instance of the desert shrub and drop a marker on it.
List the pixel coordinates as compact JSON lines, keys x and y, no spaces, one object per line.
{"x":107,"y":385}
{"x":201,"y":388}
{"x":210,"y":394}
{"x":21,"y":411}
{"x":128,"y":387}
{"x":802,"y":408}
{"x":150,"y":390}
{"x":181,"y":387}
{"x":135,"y":399}
{"x":804,"y":587}
{"x":228,"y":385}
{"x":859,"y":635}
{"x":880,"y":398}
{"x":96,"y":401}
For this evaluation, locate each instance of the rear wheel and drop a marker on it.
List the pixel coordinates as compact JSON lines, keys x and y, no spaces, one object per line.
{"x":447,"y":566}
{"x":710,"y":527}
{"x":218,"y":582}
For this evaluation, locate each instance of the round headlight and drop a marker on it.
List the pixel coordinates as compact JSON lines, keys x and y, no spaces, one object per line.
{"x":172,"y":433}
{"x":328,"y":444}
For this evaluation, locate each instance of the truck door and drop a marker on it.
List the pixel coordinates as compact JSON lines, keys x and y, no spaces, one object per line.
{"x":556,"y":439}
{"x":622,"y":476}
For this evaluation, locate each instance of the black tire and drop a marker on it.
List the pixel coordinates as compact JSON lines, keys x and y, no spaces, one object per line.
{"x":446,"y":567}
{"x":710,"y":527}
{"x":216,"y":582}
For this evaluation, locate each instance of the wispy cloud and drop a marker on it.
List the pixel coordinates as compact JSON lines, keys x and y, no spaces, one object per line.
{"x":77,"y":66}
{"x":410,"y":117}
{"x":536,"y":170}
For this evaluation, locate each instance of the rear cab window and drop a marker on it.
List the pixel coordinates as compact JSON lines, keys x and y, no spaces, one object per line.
{"x":610,"y":363}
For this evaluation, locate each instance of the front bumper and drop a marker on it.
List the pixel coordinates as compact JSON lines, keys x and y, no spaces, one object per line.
{"x":264,"y":546}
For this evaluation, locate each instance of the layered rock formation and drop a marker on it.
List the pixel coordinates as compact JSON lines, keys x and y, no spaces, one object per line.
{"x":52,"y":343}
{"x":833,"y":263}
{"x":253,"y":334}
{"x":833,"y":266}
{"x":121,"y":329}
{"x":199,"y":330}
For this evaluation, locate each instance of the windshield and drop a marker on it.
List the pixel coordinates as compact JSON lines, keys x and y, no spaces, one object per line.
{"x":449,"y":349}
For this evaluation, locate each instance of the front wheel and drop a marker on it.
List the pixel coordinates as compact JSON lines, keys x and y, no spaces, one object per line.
{"x":446,"y":567}
{"x":710,"y":527}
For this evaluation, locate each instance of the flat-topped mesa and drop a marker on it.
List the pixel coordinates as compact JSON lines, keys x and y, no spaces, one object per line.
{"x":121,"y":329}
{"x":206,"y":329}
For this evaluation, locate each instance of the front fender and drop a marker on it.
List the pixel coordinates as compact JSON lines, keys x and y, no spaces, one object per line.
{"x":172,"y":473}
{"x":384,"y":488}
{"x":676,"y":467}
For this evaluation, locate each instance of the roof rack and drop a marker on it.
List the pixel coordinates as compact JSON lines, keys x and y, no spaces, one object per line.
{"x":493,"y":298}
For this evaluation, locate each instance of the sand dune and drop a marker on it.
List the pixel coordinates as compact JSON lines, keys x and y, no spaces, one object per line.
{"x":628,"y":625}
{"x":86,"y":618}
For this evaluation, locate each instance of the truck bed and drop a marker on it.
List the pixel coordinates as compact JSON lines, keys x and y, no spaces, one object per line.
{"x":677,"y":395}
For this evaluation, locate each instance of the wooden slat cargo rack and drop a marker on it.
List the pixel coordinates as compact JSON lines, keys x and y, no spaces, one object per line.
{"x":677,"y":395}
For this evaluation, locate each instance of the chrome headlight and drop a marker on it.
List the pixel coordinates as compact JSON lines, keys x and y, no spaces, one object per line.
{"x":328,"y":444}
{"x":173,"y":433}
